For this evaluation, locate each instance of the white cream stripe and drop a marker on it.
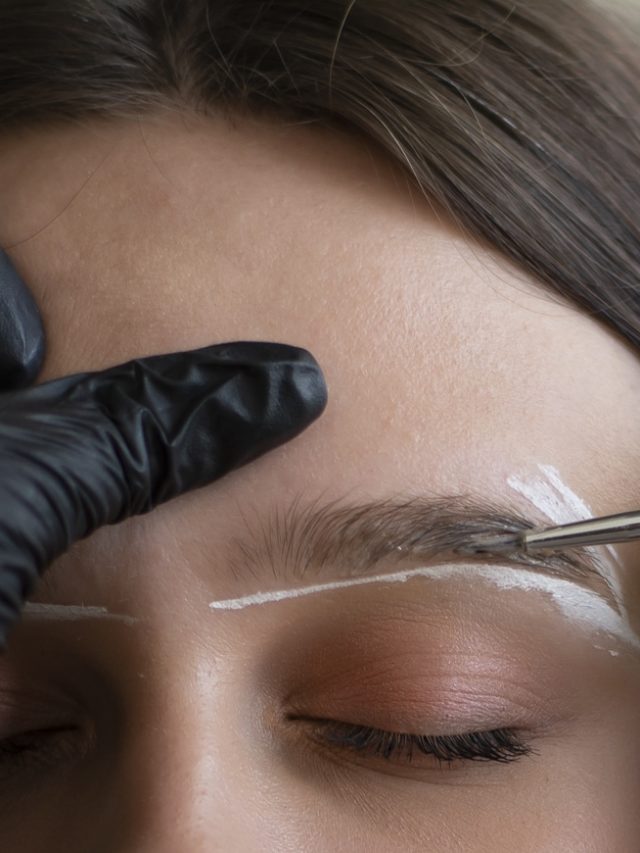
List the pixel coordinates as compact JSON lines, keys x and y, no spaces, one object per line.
{"x":73,"y":612}
{"x":576,"y":603}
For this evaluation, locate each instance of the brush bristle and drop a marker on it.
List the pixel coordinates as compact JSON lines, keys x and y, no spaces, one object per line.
{"x":491,"y":543}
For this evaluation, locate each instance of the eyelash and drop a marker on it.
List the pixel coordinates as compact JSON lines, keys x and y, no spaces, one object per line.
{"x":46,"y":747}
{"x":498,"y":745}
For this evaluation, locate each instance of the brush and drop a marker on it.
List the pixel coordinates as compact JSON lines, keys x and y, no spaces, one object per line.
{"x":605,"y":530}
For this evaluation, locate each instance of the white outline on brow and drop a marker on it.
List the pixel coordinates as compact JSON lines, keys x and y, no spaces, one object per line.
{"x":73,"y":612}
{"x":576,"y":603}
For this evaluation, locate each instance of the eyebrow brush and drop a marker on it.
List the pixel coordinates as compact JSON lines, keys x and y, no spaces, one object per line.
{"x":605,"y":530}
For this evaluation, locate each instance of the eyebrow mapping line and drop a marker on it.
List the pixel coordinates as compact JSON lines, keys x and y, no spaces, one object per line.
{"x":578,"y":604}
{"x":73,"y":612}
{"x":561,"y":505}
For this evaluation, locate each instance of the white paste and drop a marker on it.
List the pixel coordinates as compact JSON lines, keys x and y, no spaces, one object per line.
{"x":73,"y":611}
{"x":578,"y":604}
{"x":561,"y":505}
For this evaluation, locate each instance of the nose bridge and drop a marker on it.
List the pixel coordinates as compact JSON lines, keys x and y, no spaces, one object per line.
{"x":186,"y":800}
{"x":185,"y":780}
{"x":170,"y":781}
{"x":190,"y":766}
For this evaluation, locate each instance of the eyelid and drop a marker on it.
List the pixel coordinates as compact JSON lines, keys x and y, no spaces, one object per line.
{"x":418,"y":678}
{"x":441,"y":716}
{"x":41,"y":750}
{"x":31,"y":709}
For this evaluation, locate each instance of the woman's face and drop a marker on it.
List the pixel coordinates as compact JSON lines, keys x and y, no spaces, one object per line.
{"x":164,"y":724}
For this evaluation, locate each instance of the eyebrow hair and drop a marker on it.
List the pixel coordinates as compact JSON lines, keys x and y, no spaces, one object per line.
{"x":351,"y":540}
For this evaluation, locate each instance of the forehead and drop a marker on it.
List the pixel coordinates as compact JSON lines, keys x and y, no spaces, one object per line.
{"x":447,"y":366}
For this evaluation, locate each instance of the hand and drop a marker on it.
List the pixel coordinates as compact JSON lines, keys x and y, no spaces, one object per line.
{"x":22,"y":341}
{"x":95,"y":448}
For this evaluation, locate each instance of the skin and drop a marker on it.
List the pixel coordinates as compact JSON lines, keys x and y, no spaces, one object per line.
{"x":448,"y":371}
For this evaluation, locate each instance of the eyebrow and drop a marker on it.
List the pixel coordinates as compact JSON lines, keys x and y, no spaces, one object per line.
{"x":310,"y":540}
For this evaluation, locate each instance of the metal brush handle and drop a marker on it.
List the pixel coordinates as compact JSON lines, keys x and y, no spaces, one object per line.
{"x":623,"y":527}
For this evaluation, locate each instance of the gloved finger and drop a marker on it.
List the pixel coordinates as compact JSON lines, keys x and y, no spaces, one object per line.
{"x":22,"y":340}
{"x":95,"y":448}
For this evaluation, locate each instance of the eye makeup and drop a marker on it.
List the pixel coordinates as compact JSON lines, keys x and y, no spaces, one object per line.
{"x":411,"y":685}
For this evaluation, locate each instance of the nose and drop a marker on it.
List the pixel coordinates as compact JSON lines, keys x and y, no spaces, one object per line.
{"x":184,"y":781}
{"x":190,"y":805}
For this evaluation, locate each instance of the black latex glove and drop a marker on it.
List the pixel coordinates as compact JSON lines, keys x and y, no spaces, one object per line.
{"x":95,"y":448}
{"x":22,"y":342}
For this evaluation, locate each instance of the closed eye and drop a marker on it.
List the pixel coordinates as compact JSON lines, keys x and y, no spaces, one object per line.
{"x":497,"y":745}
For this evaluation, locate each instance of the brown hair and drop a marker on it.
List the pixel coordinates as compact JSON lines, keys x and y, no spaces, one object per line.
{"x":521,"y":119}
